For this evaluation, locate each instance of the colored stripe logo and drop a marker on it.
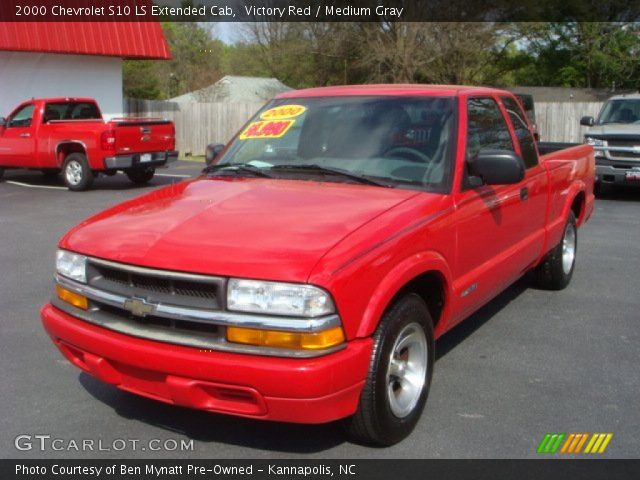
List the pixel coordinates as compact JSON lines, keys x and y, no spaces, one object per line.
{"x":573,"y":443}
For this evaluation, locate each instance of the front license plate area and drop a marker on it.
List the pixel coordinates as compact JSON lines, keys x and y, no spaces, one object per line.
{"x":146,"y":157}
{"x":632,"y":176}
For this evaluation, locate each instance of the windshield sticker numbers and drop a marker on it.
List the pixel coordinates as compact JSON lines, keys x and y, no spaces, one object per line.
{"x":266,"y":129}
{"x":273,"y":123}
{"x":283,"y":111}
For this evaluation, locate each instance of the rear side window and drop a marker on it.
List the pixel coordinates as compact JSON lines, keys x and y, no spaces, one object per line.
{"x":525,"y":138}
{"x":22,"y":118}
{"x":527,"y":104}
{"x":71,"y":111}
{"x":486,"y":127}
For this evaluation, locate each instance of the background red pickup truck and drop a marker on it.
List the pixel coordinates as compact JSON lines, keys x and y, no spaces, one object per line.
{"x":69,"y":135}
{"x":307,"y":274}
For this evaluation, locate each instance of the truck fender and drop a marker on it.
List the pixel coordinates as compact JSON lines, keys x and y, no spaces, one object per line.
{"x":396,"y":279}
{"x":556,"y":225}
{"x":65,"y":147}
{"x":577,"y":187}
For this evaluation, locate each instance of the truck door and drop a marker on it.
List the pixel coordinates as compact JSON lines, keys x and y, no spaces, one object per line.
{"x":493,"y":224}
{"x":17,"y":143}
{"x":533,"y":191}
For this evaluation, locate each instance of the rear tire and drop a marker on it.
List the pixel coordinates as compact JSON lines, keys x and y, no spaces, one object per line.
{"x":141,"y":176}
{"x":1,"y":173}
{"x":397,"y":386}
{"x":77,"y":173}
{"x":556,"y":270}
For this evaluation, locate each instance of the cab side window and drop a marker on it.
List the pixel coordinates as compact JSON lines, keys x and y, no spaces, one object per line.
{"x":486,"y":127}
{"x":22,"y":118}
{"x":486,"y":130}
{"x":84,"y":111}
{"x":523,"y":134}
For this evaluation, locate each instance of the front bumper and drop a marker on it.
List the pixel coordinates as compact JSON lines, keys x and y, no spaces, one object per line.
{"x":158,"y":159}
{"x":314,"y":390}
{"x":615,"y":172}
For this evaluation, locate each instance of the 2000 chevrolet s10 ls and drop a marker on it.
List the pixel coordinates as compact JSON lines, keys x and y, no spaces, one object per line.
{"x":305,"y":276}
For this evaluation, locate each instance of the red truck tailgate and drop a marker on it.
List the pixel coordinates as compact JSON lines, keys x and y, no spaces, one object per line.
{"x":138,"y":135}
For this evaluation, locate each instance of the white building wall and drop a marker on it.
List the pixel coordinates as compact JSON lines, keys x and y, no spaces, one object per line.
{"x":24,"y":75}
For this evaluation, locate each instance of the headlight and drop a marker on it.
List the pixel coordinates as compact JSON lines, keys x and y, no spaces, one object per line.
{"x":72,"y":265}
{"x":278,"y":298}
{"x":596,"y":142}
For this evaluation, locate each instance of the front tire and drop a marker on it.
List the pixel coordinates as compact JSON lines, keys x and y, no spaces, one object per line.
{"x":1,"y":173}
{"x":397,"y":386}
{"x":556,"y":270}
{"x":141,"y":176}
{"x":77,"y":173}
{"x":600,"y":189}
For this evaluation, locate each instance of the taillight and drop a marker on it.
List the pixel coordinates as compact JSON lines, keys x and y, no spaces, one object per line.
{"x":172,"y":145}
{"x":108,"y":140}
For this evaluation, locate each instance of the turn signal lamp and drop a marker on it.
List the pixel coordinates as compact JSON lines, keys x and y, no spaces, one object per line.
{"x":292,"y":340}
{"x":72,"y":298}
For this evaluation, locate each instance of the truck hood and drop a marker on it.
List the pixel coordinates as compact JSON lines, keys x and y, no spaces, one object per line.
{"x":246,"y":227}
{"x":614,"y":129}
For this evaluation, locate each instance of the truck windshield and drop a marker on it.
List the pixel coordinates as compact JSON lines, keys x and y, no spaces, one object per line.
{"x":401,"y":142}
{"x":621,"y":111}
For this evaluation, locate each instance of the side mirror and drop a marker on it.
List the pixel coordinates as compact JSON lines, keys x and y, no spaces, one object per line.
{"x":587,"y":121}
{"x":212,"y":151}
{"x":497,"y":167}
{"x":3,"y":122}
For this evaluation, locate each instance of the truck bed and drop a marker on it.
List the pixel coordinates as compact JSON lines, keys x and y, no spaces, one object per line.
{"x":545,"y":148}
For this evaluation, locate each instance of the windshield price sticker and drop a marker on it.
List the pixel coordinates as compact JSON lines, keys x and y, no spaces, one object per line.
{"x":266,"y":129}
{"x":283,"y":111}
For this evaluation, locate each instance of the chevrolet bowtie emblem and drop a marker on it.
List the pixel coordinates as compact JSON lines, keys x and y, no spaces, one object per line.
{"x":139,"y":307}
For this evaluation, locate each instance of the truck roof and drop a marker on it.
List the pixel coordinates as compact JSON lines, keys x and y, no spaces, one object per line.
{"x":389,"y":89}
{"x":61,"y":99}
{"x":626,"y":96}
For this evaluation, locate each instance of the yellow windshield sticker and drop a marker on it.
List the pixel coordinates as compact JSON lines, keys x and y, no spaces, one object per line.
{"x":266,"y":129}
{"x":283,"y":111}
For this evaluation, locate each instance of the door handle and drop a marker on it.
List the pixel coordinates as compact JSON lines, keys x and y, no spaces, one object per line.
{"x":524,"y":193}
{"x":25,"y":135}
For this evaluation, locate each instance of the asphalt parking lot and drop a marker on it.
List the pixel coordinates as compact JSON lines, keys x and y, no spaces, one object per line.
{"x":529,"y":363}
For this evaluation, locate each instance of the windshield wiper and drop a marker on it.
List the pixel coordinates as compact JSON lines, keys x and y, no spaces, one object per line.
{"x":238,"y":167}
{"x":331,"y":171}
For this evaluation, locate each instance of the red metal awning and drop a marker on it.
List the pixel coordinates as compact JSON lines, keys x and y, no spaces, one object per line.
{"x":113,"y":39}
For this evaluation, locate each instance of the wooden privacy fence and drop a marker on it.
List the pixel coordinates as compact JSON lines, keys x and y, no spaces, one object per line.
{"x":560,"y":121}
{"x":198,"y":124}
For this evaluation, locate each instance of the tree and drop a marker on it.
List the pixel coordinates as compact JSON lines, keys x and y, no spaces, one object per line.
{"x":196,"y":58}
{"x":140,"y":80}
{"x":582,"y":54}
{"x":442,"y":52}
{"x":196,"y":63}
{"x":305,"y":54}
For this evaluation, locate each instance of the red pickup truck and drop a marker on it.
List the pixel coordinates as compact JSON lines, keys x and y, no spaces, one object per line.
{"x":305,"y":276}
{"x":69,"y":135}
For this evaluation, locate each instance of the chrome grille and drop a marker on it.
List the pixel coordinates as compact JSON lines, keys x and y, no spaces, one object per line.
{"x":628,"y":143}
{"x":157,"y":286}
{"x":164,"y":324}
{"x":625,"y":155}
{"x":623,"y":143}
